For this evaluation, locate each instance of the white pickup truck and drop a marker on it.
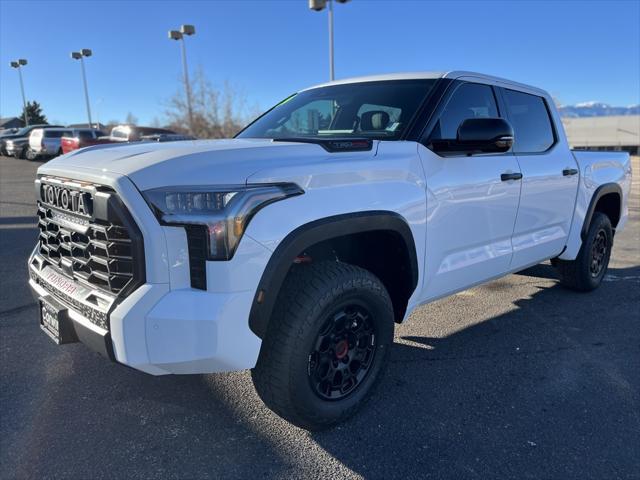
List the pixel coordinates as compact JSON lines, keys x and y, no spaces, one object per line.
{"x":293,"y":248}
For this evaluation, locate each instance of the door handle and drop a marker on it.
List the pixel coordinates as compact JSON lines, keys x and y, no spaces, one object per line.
{"x":567,"y":172}
{"x":505,"y":177}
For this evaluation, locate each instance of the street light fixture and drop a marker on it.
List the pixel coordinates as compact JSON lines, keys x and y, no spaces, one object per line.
{"x":319,"y":5}
{"x":18,"y":64}
{"x":85,"y":52}
{"x":178,"y":35}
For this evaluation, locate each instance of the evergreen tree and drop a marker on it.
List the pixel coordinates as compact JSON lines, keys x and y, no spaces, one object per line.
{"x":34,"y":114}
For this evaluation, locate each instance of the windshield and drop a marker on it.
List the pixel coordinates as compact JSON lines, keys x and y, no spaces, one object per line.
{"x":378,"y":110}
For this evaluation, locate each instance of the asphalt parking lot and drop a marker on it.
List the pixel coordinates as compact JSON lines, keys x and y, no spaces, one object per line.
{"x":518,"y":378}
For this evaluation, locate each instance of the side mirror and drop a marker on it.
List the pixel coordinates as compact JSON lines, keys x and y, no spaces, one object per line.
{"x":479,"y":135}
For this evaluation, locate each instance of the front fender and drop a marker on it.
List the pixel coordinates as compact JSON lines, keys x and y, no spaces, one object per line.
{"x":310,"y":234}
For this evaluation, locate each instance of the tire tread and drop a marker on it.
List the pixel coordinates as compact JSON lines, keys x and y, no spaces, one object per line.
{"x":306,"y":291}
{"x":574,"y":274}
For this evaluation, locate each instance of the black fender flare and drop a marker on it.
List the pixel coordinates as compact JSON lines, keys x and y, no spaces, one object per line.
{"x":310,"y":234}
{"x":600,"y":192}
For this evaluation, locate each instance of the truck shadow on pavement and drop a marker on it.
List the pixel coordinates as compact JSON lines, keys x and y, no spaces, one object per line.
{"x":549,"y":389}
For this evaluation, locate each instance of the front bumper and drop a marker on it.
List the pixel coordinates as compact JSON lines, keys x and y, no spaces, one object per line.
{"x":160,"y":331}
{"x":165,"y":326}
{"x":12,"y":149}
{"x":96,"y":338}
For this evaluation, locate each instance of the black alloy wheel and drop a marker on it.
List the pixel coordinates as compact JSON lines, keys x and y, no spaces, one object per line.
{"x":343,"y":353}
{"x":598,"y":253}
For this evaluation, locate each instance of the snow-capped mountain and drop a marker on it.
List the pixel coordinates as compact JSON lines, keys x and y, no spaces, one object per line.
{"x":596,"y":109}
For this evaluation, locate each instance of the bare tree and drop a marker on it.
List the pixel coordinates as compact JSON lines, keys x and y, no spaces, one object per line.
{"x":217,"y":113}
{"x":131,"y":119}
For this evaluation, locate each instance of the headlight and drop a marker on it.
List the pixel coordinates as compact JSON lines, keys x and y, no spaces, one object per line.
{"x":223,"y":211}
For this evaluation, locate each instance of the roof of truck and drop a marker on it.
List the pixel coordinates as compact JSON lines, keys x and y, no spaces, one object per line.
{"x":433,"y":75}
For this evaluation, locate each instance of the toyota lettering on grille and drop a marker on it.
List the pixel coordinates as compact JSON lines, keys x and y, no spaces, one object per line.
{"x":66,"y":199}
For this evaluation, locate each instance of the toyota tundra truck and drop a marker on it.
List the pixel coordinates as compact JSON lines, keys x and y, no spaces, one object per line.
{"x":293,"y":248}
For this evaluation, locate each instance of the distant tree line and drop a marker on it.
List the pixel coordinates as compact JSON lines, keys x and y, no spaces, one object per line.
{"x":216,"y":112}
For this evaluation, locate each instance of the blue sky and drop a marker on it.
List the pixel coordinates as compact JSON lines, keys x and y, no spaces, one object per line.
{"x":579,"y":51}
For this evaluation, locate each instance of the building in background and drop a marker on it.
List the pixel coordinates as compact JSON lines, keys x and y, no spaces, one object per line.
{"x":619,"y":132}
{"x":11,"y":122}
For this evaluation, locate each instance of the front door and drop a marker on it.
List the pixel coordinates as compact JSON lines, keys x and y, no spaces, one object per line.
{"x":472,"y":201}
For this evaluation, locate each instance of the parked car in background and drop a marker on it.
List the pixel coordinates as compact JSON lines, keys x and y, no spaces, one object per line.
{"x":16,"y":147}
{"x":46,"y":142}
{"x":133,"y":133}
{"x":7,"y":131}
{"x":6,"y":134}
{"x":82,"y":137}
{"x":22,"y":133}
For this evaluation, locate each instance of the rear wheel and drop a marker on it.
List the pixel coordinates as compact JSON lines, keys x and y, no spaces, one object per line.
{"x":586,"y":272}
{"x":28,"y":154}
{"x":326,"y":344}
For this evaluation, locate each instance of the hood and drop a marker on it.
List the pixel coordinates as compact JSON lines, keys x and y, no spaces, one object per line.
{"x":13,"y":136}
{"x":200,"y":162}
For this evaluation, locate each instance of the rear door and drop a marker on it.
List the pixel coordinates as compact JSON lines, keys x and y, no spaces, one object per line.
{"x":35,"y":139}
{"x":85,"y":137}
{"x":471,"y":211}
{"x":53,"y":138}
{"x":549,"y":182}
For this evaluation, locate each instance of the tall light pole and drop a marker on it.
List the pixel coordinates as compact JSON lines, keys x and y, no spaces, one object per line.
{"x":18,"y":64}
{"x":178,"y":35}
{"x":85,"y":52}
{"x":319,"y":5}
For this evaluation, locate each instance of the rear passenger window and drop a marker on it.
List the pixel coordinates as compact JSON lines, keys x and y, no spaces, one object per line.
{"x":55,"y":133}
{"x":530,"y":120}
{"x":470,"y":100}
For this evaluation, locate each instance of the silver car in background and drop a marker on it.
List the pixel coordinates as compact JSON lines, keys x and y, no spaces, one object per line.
{"x":46,"y":142}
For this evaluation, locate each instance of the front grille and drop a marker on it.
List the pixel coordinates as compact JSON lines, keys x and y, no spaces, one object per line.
{"x":104,"y":251}
{"x":101,"y":257}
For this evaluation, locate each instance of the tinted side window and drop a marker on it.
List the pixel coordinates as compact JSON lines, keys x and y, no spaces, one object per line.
{"x":530,"y":120}
{"x":470,"y":100}
{"x":85,"y":135}
{"x":53,"y":133}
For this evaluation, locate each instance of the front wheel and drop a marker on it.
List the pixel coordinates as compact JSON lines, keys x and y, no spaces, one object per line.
{"x":326,"y":344}
{"x":586,"y":272}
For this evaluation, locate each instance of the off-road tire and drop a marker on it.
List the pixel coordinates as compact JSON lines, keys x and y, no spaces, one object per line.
{"x":306,"y":304}
{"x":580,"y":274}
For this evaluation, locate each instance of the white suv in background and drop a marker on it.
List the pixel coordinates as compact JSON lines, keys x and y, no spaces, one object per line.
{"x":46,"y":142}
